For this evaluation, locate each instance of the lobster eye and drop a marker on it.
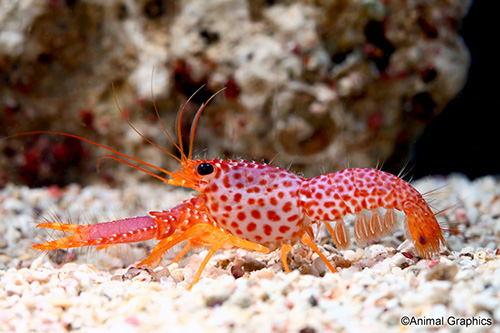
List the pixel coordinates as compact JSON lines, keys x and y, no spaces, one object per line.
{"x":205,"y":169}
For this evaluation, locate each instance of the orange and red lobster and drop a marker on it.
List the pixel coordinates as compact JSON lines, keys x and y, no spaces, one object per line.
{"x":259,"y":207}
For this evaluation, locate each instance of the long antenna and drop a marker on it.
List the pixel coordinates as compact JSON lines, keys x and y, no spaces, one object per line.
{"x":158,"y":114}
{"x":92,"y":142}
{"x":195,"y":122}
{"x":179,"y":127}
{"x":132,"y":126}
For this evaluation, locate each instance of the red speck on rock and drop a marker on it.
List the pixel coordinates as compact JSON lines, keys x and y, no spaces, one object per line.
{"x":86,"y":117}
{"x":407,"y":255}
{"x":232,"y":88}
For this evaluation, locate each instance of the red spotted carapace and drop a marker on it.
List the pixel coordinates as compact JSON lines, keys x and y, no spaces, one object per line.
{"x":260,"y":207}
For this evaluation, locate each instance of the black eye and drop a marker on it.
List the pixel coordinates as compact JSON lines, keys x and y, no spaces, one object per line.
{"x":205,"y":169}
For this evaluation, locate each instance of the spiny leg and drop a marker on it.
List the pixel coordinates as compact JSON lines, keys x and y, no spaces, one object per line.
{"x":306,"y":240}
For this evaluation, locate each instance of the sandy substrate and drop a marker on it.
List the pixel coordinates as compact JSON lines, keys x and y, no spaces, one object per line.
{"x":378,"y":287}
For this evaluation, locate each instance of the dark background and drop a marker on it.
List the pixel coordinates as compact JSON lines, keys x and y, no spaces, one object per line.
{"x":465,"y":137}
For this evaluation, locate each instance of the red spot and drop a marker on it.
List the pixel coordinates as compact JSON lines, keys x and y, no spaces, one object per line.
{"x":237,"y":175}
{"x":217,"y":173}
{"x":268,"y":229}
{"x":223,"y":198}
{"x":329,"y":204}
{"x":263,"y":182}
{"x":261,"y":202}
{"x":241,"y":216}
{"x":239,"y":185}
{"x":292,"y":218}
{"x":258,"y":238}
{"x":271,"y":215}
{"x":255,"y":214}
{"x":250,"y":179}
{"x":287,"y":207}
{"x":283,"y":229}
{"x":225,"y":181}
{"x":214,"y":207}
{"x":239,"y":232}
{"x":256,"y":189}
{"x":326,"y":217}
{"x":237,"y":197}
{"x":251,"y":227}
{"x":335,"y":212}
{"x":251,"y":201}
{"x":234,"y":225}
{"x":281,"y":195}
{"x":287,"y":183}
{"x":228,"y":208}
{"x":273,"y":201}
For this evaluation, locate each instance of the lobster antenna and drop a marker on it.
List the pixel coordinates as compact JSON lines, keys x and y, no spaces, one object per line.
{"x":158,"y":114}
{"x":132,"y":126}
{"x":92,"y":142}
{"x":195,"y":122}
{"x":130,"y":164}
{"x":179,"y":127}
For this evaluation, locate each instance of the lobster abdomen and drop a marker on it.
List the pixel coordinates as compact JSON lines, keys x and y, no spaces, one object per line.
{"x":352,"y":191}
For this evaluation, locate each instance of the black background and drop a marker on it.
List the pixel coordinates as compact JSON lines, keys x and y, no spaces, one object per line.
{"x":465,"y":137}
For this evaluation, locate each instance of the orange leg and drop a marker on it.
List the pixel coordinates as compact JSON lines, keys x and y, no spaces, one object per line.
{"x":183,"y":252}
{"x":285,"y":248}
{"x":214,"y":248}
{"x":306,"y":240}
{"x":166,"y":244}
{"x":203,"y":234}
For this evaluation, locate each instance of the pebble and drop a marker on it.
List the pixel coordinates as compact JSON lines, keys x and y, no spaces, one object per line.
{"x":382,"y":283}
